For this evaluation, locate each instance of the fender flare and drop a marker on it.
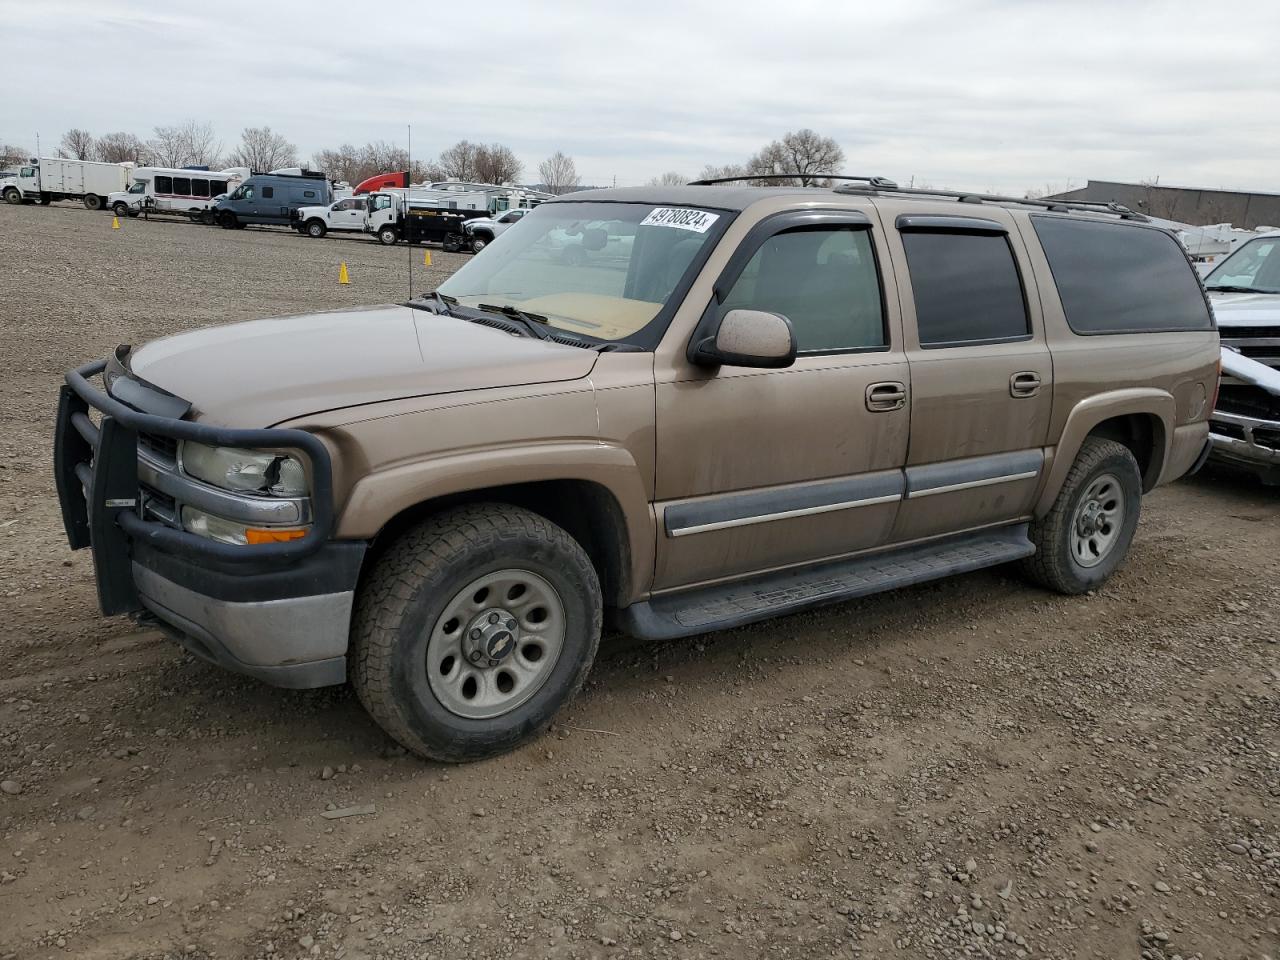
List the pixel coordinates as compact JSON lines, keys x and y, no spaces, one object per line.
{"x":378,"y":498}
{"x":1087,"y":414}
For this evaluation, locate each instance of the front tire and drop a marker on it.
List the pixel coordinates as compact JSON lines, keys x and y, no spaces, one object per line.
{"x":120,"y":209}
{"x":228,"y":220}
{"x":479,"y":242}
{"x":316,"y":229}
{"x":1085,"y":536}
{"x":13,"y":196}
{"x":473,"y":630}
{"x":387,"y":236}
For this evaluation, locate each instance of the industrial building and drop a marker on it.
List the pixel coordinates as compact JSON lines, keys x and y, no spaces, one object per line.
{"x":1191,"y":205}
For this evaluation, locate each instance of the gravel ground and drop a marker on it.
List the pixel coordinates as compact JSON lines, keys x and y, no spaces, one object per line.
{"x":972,"y":768}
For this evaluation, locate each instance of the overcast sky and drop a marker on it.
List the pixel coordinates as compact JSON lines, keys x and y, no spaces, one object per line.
{"x":975,"y":94}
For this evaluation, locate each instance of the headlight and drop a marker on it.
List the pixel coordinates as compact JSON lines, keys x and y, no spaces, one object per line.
{"x":245,"y":471}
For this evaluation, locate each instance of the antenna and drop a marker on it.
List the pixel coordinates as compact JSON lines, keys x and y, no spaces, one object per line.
{"x":408,"y":179}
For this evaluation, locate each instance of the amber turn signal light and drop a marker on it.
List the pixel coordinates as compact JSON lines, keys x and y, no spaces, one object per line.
{"x":276,"y":535}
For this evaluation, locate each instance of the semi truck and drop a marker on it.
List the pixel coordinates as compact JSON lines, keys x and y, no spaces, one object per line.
{"x":53,"y":178}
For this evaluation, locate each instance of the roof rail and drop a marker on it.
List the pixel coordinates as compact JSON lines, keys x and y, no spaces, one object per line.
{"x":1057,"y":206}
{"x":878,"y":183}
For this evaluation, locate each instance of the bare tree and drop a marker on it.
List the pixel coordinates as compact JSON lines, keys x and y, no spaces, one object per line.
{"x":121,"y":147}
{"x":354,"y":164}
{"x":713,"y":172}
{"x":496,"y":163}
{"x":185,"y":144}
{"x":203,"y":145}
{"x":459,"y":161}
{"x":167,"y":148}
{"x":426,"y":171}
{"x":559,"y":174}
{"x":671,"y":178}
{"x":77,"y":144}
{"x":801,"y":154}
{"x":261,"y":149}
{"x":11,"y":155}
{"x":342,"y":163}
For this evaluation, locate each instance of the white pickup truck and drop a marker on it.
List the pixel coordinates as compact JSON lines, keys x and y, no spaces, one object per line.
{"x":484,"y":230}
{"x":345,"y":214}
{"x":1245,"y":291}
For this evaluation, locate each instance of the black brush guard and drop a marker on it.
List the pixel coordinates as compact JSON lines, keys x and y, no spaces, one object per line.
{"x":96,"y":469}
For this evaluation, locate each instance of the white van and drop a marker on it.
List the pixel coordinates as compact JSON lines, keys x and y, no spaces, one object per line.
{"x":174,"y":190}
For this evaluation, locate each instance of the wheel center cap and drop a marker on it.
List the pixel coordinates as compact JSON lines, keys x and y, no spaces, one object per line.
{"x":491,"y":637}
{"x":1090,"y":518}
{"x":500,"y":644}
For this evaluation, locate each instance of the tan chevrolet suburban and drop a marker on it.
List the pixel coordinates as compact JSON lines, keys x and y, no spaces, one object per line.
{"x":672,"y":410}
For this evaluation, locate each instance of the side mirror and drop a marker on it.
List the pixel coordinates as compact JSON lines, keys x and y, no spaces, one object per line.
{"x":749,"y":338}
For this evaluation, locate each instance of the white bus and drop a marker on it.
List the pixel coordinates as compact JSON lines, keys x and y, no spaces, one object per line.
{"x":191,"y":193}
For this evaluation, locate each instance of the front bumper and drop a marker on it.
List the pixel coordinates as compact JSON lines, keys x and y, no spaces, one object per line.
{"x":277,"y":611}
{"x":287,"y":627}
{"x":1248,"y":442}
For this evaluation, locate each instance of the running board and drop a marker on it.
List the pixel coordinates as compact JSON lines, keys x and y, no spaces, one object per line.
{"x":727,"y":605}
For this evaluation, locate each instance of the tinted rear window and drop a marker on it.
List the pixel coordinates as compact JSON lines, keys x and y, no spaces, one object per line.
{"x":1121,"y":278}
{"x":966,"y":288}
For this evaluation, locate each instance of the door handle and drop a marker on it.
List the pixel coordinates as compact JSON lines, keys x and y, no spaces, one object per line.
{"x":886,"y":395}
{"x":1024,"y":384}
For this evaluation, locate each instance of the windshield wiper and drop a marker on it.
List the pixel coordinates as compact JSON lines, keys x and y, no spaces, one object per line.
{"x":442,"y":302}
{"x":533,"y":323}
{"x":1236,"y":288}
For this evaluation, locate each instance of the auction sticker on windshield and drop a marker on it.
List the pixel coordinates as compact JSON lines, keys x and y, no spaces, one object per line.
{"x":699,"y":221}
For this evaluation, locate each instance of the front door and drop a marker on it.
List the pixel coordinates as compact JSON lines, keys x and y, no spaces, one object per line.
{"x":981,"y":374}
{"x":352,"y":214}
{"x":761,"y":468}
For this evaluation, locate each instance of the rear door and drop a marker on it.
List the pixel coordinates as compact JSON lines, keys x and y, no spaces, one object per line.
{"x":981,"y":373}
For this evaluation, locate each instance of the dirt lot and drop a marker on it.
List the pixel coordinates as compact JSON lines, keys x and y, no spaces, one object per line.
{"x":970,"y":768}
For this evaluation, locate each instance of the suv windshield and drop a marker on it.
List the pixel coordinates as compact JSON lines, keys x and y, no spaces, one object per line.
{"x":1254,"y":267}
{"x":602,"y":270}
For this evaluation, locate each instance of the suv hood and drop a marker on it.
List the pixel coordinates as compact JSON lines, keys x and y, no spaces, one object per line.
{"x":264,"y":372}
{"x":1246,"y":309}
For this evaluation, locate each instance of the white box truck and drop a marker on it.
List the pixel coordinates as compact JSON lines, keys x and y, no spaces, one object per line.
{"x":52,"y":178}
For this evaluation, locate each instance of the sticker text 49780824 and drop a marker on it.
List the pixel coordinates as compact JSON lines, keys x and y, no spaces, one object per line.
{"x":699,"y":221}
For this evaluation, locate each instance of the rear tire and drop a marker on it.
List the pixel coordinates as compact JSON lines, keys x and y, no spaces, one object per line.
{"x":433,"y":639}
{"x":316,"y":229}
{"x":46,"y":199}
{"x":1085,"y":536}
{"x":93,"y":202}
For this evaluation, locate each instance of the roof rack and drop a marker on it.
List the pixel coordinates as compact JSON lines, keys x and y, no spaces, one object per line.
{"x":1056,"y":206}
{"x":876,"y":183}
{"x":885,"y":185}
